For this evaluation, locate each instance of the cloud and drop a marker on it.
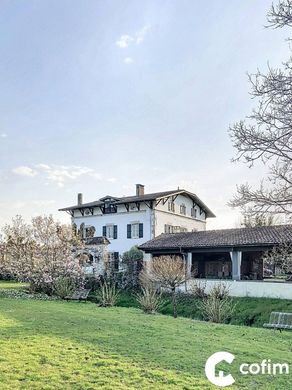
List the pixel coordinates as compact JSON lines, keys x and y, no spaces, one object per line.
{"x":57,"y":174}
{"x":3,"y":135}
{"x":140,"y":35}
{"x":128,"y":60}
{"x":25,"y":171}
{"x":125,"y":40}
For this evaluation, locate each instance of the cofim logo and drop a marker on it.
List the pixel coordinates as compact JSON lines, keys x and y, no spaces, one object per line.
{"x":266,"y":367}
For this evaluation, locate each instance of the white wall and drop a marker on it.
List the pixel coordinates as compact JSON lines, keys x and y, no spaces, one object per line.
{"x":251,"y":288}
{"x":122,"y":243}
{"x":164,"y":217}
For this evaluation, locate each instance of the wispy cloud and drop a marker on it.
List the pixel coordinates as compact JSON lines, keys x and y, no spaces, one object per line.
{"x":125,"y":40}
{"x":128,"y":60}
{"x":140,"y":35}
{"x":60,"y":174}
{"x":24,"y":171}
{"x":3,"y":135}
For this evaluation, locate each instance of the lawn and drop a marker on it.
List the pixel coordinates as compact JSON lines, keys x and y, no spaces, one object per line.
{"x":60,"y":345}
{"x":9,"y":285}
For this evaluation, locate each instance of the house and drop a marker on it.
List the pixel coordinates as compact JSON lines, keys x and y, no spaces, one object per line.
{"x":132,"y":220}
{"x":229,"y":254}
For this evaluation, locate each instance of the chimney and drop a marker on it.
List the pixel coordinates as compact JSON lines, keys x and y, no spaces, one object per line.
{"x":139,"y":189}
{"x":79,"y":199}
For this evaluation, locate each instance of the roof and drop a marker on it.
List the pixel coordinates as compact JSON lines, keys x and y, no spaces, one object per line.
{"x":256,"y":236}
{"x":143,"y":198}
{"x":97,"y":241}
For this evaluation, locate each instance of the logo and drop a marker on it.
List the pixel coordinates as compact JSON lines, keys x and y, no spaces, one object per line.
{"x":266,"y":367}
{"x":210,"y":369}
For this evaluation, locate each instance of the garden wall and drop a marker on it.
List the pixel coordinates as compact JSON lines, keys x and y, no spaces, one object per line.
{"x":258,"y":289}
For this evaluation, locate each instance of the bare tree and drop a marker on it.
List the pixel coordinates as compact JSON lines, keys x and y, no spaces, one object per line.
{"x":280,"y":15}
{"x":266,"y":134}
{"x":258,"y":220}
{"x":169,"y":272}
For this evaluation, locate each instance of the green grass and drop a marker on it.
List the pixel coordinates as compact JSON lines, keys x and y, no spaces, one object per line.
{"x":12,"y":285}
{"x":60,"y":345}
{"x":249,"y":311}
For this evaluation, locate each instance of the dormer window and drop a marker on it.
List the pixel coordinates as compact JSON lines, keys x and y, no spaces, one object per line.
{"x":109,"y":208}
{"x":182,"y":209}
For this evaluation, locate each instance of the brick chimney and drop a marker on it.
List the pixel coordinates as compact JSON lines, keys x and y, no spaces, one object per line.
{"x":79,"y":199}
{"x":139,"y":189}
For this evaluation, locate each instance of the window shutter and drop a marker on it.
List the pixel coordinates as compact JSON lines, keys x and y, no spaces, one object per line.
{"x":140,"y":230}
{"x":115,"y":231}
{"x":129,"y":235}
{"x":104,"y":231}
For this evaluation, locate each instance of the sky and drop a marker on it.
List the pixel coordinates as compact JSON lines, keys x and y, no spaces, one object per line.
{"x":97,"y":96}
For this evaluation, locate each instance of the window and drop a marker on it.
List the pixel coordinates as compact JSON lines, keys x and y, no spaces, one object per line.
{"x":109,"y":208}
{"x":174,"y":229}
{"x":171,"y":206}
{"x":114,"y":261}
{"x":135,"y":230}
{"x":194,"y":212}
{"x":110,"y":232}
{"x":167,"y":228}
{"x":182,"y":209}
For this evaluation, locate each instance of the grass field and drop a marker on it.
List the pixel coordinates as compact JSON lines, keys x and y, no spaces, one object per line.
{"x":60,"y":345}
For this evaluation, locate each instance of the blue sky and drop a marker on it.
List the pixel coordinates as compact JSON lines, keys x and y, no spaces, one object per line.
{"x":99,"y":95}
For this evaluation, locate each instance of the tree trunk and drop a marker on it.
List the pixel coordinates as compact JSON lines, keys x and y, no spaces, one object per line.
{"x":174,"y":302}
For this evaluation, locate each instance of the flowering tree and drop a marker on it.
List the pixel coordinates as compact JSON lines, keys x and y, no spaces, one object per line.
{"x":41,"y":252}
{"x":279,"y":256}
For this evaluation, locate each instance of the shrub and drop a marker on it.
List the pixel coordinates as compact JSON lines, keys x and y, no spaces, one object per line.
{"x":92,"y":282}
{"x":107,"y":295}
{"x":198,"y":289}
{"x":63,"y":286}
{"x":149,"y":300}
{"x":220,"y":290}
{"x":215,"y":309}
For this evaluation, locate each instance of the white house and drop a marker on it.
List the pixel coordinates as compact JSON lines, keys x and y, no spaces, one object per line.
{"x":133,"y":220}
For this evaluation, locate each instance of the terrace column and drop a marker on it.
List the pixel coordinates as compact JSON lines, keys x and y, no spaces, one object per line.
{"x":189,"y":257}
{"x":236,"y":264}
{"x":147,"y":256}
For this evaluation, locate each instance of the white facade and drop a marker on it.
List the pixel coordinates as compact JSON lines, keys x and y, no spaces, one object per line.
{"x":121,"y":219}
{"x":165,"y":212}
{"x":163,"y":216}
